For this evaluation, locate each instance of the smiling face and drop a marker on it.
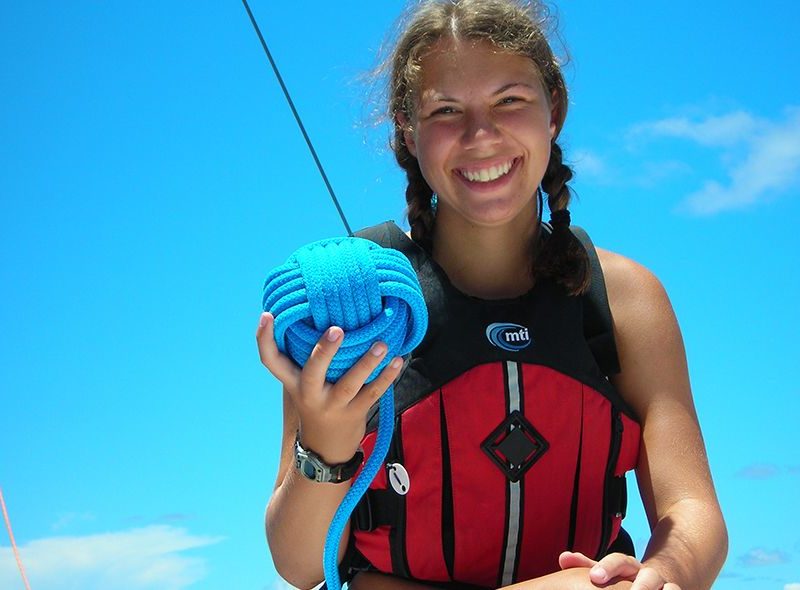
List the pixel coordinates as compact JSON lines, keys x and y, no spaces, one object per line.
{"x":481,"y":132}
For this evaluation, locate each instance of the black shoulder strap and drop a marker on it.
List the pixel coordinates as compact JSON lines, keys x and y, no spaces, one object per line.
{"x":598,"y":325}
{"x":389,"y":235}
{"x":380,"y":234}
{"x":597,"y":322}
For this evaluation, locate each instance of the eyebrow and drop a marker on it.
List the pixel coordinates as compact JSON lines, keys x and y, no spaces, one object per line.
{"x":500,"y":90}
{"x":511,"y":85}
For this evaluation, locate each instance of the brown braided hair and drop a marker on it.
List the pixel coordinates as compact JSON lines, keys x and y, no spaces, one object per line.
{"x":514,"y":26}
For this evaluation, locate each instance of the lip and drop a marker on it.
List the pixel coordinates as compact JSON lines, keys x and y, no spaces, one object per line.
{"x":492,"y":184}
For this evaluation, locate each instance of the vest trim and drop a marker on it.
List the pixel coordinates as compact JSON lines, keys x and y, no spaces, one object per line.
{"x":513,"y":491}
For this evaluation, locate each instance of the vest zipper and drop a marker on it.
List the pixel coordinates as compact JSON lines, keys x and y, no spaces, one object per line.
{"x":608,"y":500}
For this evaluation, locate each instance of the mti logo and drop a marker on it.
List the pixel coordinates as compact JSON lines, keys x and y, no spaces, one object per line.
{"x":510,"y":337}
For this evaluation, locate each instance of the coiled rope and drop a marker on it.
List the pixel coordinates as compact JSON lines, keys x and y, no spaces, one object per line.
{"x":373,"y":294}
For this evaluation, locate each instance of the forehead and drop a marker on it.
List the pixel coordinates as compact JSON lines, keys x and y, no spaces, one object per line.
{"x":457,"y":65}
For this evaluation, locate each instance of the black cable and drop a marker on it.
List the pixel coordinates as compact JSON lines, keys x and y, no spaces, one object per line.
{"x":297,"y":118}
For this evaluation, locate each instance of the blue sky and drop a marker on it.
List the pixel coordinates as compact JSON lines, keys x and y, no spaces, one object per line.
{"x":151,"y":175}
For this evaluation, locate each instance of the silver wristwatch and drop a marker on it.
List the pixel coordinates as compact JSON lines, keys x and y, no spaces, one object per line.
{"x":311,"y":466}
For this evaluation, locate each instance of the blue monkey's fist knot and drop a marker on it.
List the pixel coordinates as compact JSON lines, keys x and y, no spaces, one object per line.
{"x":371,"y":292}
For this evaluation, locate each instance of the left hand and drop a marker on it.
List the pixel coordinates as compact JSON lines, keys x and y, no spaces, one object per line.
{"x":617,"y":566}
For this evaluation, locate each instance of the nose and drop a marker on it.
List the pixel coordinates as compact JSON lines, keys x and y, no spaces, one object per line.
{"x":480,"y":129}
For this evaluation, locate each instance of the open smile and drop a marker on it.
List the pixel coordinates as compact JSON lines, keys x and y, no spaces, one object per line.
{"x":487,"y":174}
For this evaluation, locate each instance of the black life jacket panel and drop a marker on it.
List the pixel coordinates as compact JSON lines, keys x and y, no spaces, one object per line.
{"x":510,"y":443}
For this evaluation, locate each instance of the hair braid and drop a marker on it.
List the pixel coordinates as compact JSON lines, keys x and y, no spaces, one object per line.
{"x":562,"y":256}
{"x":418,"y":196}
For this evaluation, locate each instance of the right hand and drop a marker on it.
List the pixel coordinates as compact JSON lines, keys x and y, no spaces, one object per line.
{"x":333,"y":416}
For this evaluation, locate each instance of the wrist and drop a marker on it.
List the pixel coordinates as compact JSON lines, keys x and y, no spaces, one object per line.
{"x":332,"y":450}
{"x":313,"y":467}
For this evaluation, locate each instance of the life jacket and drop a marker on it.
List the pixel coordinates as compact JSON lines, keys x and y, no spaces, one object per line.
{"x":510,"y":445}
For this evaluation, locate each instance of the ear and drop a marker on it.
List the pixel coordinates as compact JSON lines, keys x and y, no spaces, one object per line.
{"x":408,"y":134}
{"x":555,"y":114}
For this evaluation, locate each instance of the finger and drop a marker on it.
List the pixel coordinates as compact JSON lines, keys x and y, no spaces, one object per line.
{"x":348,"y":387}
{"x":570,"y":559}
{"x":281,"y":366}
{"x":614,"y":565}
{"x":648,"y":579}
{"x":312,"y":378}
{"x":671,"y":586}
{"x":372,"y":391}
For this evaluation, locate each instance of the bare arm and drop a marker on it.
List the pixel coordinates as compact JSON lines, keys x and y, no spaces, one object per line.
{"x":299,"y":513}
{"x":331,"y":420}
{"x":689,"y":539}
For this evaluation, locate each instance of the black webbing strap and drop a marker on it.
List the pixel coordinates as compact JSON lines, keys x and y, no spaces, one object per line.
{"x":598,"y":326}
{"x":389,"y":235}
{"x":377,"y":508}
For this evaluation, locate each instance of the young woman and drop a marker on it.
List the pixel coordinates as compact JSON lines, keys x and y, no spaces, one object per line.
{"x":512,"y":452}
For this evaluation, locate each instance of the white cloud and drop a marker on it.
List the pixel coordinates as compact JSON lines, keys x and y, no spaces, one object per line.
{"x":136,"y":559}
{"x":724,"y":130}
{"x":69,"y":518}
{"x":792,"y":586}
{"x":762,"y":156}
{"x":771,"y":165}
{"x":759,"y":556}
{"x":587,"y":163}
{"x":758,"y":471}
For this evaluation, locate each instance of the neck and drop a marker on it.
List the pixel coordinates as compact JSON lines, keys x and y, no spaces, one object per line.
{"x":486,"y":262}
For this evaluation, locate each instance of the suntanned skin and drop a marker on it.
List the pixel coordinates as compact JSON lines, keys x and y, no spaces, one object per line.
{"x":480,"y":107}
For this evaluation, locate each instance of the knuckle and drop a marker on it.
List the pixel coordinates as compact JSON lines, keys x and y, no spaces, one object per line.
{"x":305,"y":377}
{"x":610,"y":560}
{"x":347,"y":389}
{"x":264,"y":356}
{"x":377,"y":392}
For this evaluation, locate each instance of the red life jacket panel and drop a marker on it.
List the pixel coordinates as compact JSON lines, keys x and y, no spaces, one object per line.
{"x":510,"y":444}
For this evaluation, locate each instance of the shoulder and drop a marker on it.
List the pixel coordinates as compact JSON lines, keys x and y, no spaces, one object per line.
{"x":646,"y":331}
{"x":632,"y":288}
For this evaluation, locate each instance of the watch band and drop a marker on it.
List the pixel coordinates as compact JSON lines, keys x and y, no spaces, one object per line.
{"x":311,"y":466}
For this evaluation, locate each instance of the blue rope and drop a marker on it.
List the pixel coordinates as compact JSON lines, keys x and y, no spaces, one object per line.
{"x":373,"y":294}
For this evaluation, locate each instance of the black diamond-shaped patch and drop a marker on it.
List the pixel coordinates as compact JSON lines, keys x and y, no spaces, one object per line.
{"x":514,"y":446}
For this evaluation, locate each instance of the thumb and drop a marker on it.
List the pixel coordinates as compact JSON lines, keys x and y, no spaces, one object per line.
{"x":570,"y":559}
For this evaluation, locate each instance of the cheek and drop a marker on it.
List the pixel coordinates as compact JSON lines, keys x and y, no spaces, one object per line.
{"x":432,"y":152}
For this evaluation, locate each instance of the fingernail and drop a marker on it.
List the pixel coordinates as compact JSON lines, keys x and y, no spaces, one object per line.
{"x":332,"y":335}
{"x":600,"y":573}
{"x":377,"y":349}
{"x":395,"y":364}
{"x":262,"y":321}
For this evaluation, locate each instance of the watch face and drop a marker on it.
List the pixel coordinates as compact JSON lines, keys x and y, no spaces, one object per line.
{"x":308,"y":470}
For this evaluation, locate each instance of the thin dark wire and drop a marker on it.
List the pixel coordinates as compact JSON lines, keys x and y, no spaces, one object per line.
{"x":297,"y":118}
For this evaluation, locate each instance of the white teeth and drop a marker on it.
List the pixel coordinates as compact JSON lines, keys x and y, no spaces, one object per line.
{"x":487,"y":174}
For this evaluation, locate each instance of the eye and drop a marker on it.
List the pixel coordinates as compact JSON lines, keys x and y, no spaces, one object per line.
{"x":510,"y":100}
{"x":445,"y":110}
